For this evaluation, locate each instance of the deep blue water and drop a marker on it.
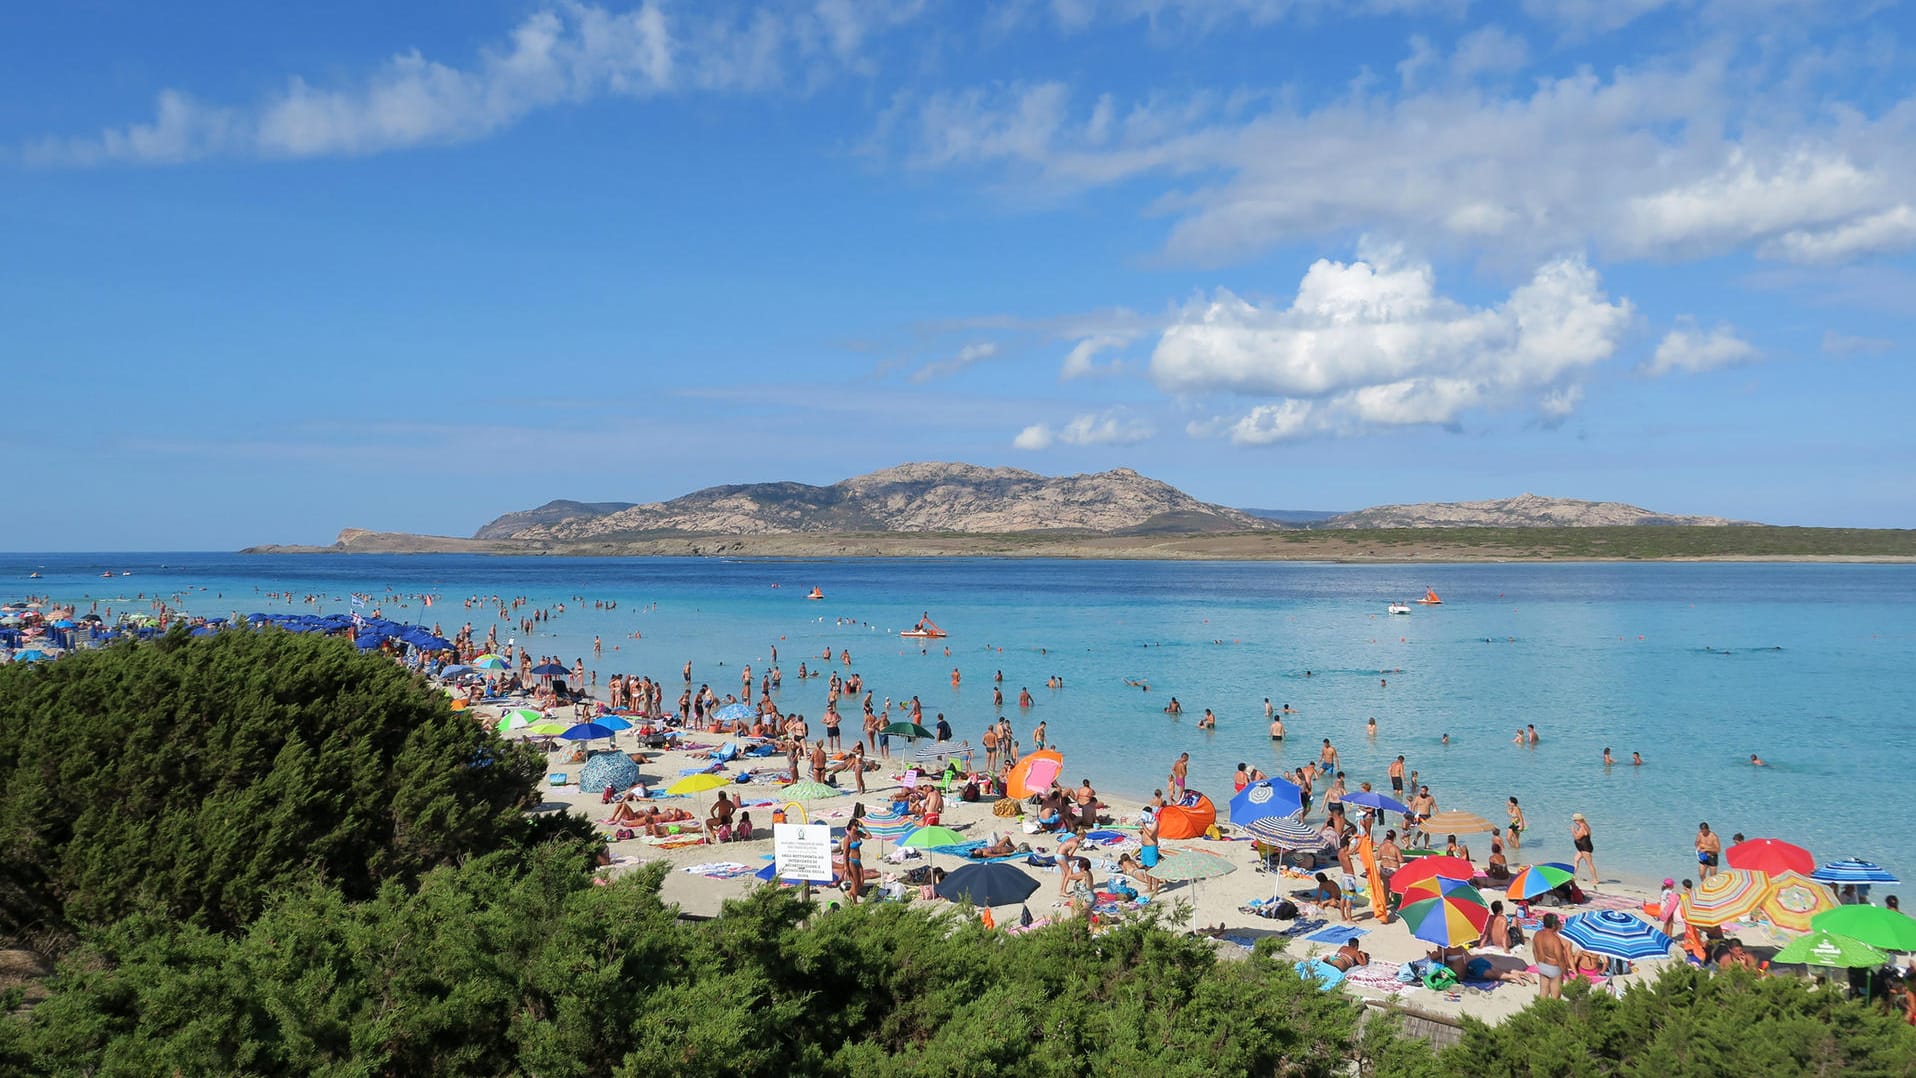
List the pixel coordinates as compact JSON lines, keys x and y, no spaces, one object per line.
{"x":1695,"y":665}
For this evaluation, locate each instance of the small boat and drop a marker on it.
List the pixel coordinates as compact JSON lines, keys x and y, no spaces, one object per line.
{"x":1430,"y":598}
{"x":815,"y":593}
{"x":33,"y":576}
{"x":924,"y":630}
{"x":1399,"y":608}
{"x":109,"y":572}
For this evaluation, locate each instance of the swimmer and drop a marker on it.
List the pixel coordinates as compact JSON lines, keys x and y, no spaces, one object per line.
{"x":1608,"y":759}
{"x":1277,"y":729}
{"x":1636,"y":759}
{"x":1208,"y":722}
{"x":1445,"y":739}
{"x":1370,"y":728}
{"x":1757,"y":761}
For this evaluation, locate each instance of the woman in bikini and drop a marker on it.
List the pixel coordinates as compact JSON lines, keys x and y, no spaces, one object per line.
{"x":854,"y":860}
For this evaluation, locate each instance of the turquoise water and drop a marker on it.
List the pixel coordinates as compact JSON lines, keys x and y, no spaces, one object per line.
{"x":1694,"y":666}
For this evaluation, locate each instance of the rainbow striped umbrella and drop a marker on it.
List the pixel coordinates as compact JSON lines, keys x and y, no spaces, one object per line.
{"x":1534,"y":880}
{"x":1795,"y":898}
{"x":490,"y":662}
{"x":1450,"y":868}
{"x":1455,"y":916}
{"x":1729,"y":895}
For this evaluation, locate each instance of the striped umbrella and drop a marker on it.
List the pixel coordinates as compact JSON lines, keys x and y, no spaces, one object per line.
{"x":1455,"y":823}
{"x":1430,"y":887}
{"x":1616,"y":934}
{"x":1286,"y":833}
{"x":517,"y":720}
{"x":1769,"y":855}
{"x":1451,"y":868}
{"x":1266,"y":798}
{"x":1726,"y":896}
{"x":1534,"y":880}
{"x":1456,"y":916}
{"x":1854,"y":872}
{"x":1794,"y":899}
{"x":490,"y":662}
{"x":1191,"y":865}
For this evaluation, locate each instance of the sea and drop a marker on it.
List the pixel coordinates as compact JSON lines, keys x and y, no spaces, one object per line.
{"x":1694,"y":666}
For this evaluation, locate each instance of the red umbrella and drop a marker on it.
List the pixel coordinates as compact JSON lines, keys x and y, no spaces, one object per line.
{"x":1770,"y":855}
{"x":1450,"y":868}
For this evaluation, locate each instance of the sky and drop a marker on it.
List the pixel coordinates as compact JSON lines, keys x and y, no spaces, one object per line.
{"x":267,"y":271}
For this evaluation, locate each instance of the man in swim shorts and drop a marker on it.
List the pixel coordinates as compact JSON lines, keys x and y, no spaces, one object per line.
{"x":1551,"y":953}
{"x":1709,"y":848}
{"x":1397,"y":776}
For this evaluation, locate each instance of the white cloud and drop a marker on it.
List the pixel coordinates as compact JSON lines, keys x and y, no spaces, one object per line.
{"x":1844,"y":344}
{"x":1079,"y":362}
{"x":568,"y":52}
{"x":1114,"y":426}
{"x":1371,"y":343}
{"x":1693,"y":154}
{"x":1694,"y":351}
{"x":964,"y":357}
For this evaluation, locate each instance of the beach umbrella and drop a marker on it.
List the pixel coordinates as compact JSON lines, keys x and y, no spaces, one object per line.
{"x":30,"y":655}
{"x":1266,"y":797}
{"x":732,"y":712}
{"x":990,"y":884}
{"x":1034,"y":773}
{"x":907,"y":729}
{"x":1795,"y":899}
{"x":530,"y":714}
{"x":455,"y":671}
{"x":1287,"y":833}
{"x":1455,"y":917}
{"x":64,"y":623}
{"x":1770,"y":855}
{"x":1854,"y":872}
{"x":614,"y":769}
{"x":1729,"y":895}
{"x":924,"y":838}
{"x":1878,"y":926}
{"x":1369,"y":800}
{"x":547,"y":728}
{"x":1430,"y":887}
{"x":514,"y":720}
{"x":587,"y":731}
{"x":1821,"y":948}
{"x":1616,"y":934}
{"x":1451,"y":868}
{"x":698,"y":784}
{"x":490,"y":662}
{"x":551,"y":670}
{"x":614,"y":722}
{"x":1181,"y":865}
{"x":810,"y":791}
{"x":1455,"y":823}
{"x":1534,"y":880}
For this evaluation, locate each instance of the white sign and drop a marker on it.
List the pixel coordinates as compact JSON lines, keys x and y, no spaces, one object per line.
{"x":802,"y":851}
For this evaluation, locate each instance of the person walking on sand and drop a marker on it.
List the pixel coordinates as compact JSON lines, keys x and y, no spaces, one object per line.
{"x":1586,"y":849}
{"x":1709,"y":846}
{"x":1179,"y":770}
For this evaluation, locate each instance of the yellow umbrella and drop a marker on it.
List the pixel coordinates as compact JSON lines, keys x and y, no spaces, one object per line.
{"x":1795,"y":898}
{"x":698,"y":784}
{"x":1728,"y":895}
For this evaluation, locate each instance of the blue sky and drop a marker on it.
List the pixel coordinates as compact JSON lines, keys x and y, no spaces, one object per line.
{"x":269,"y":271}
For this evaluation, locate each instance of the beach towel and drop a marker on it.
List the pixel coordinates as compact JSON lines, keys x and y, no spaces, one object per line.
{"x":1302,"y":927}
{"x":557,"y":778}
{"x":719,"y":870}
{"x":1597,"y":900}
{"x":1337,"y":934}
{"x":1376,"y":977}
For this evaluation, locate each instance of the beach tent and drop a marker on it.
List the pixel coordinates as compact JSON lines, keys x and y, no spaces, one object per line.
{"x":614,"y":769}
{"x":1035,"y":773}
{"x":1187,"y":820}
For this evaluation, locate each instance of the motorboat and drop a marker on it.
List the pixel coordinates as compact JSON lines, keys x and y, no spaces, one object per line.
{"x":1399,"y":608}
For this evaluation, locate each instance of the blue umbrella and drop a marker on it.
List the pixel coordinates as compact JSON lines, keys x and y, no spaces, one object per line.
{"x":65,"y":623}
{"x":733,"y":712}
{"x":455,"y":671}
{"x":1266,"y":797}
{"x":587,"y":731}
{"x":550,"y":670}
{"x":1616,"y":934}
{"x":613,"y":722}
{"x":30,"y":655}
{"x":1363,"y":799}
{"x":1854,"y":872}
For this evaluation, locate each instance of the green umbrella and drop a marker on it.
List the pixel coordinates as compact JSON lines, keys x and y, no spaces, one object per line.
{"x":1823,"y":948}
{"x":926,"y":837}
{"x":1191,"y":865}
{"x":808,"y":791}
{"x":548,"y":728}
{"x":1878,"y":926}
{"x":907,"y":729}
{"x":518,"y":719}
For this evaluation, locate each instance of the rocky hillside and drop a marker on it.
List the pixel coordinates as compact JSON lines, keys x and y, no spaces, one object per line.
{"x":1523,"y":511}
{"x":911,"y":498}
{"x":552,"y":512}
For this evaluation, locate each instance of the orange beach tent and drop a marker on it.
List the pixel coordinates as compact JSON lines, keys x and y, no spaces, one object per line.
{"x":1034,"y":773}
{"x":1187,"y":821}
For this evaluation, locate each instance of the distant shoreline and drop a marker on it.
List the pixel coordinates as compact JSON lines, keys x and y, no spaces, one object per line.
{"x":1362,"y":546}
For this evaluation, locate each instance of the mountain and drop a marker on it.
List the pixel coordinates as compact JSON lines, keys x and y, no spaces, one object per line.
{"x":1523,"y":511}
{"x":552,"y":512}
{"x":925,"y":497}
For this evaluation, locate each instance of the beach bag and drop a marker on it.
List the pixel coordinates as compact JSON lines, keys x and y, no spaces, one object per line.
{"x":969,"y":793}
{"x":1405,"y":974}
{"x":1024,"y":916}
{"x":1005,"y":807}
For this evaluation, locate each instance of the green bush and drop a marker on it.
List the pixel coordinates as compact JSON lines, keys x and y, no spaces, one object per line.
{"x":190,"y":778}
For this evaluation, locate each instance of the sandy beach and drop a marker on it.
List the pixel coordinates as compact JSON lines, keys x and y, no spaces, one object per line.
{"x":1216,"y":905}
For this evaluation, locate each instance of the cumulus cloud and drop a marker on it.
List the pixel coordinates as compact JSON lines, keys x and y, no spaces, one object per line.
{"x":568,"y":52}
{"x":1694,"y":351}
{"x":1371,"y":343}
{"x":1114,"y":426}
{"x":1080,"y":361}
{"x":964,"y":357}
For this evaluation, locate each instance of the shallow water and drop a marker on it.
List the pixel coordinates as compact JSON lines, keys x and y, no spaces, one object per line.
{"x":1695,"y":666}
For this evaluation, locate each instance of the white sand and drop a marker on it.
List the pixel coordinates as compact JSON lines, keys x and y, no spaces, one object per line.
{"x":1209,"y":903}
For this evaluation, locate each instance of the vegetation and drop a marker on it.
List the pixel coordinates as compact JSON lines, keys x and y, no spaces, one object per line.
{"x":190,"y":778}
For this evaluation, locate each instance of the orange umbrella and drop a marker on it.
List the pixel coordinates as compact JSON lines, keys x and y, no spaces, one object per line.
{"x":1795,"y":898}
{"x":1034,"y":773}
